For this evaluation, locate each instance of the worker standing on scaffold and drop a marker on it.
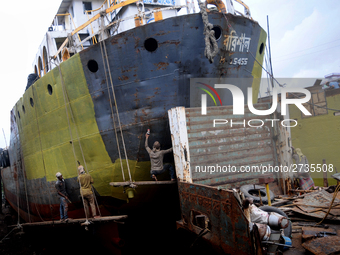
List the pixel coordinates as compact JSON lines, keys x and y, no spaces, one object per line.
{"x":86,"y":182}
{"x":60,"y":185}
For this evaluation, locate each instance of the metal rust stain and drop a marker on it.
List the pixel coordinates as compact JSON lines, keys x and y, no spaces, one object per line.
{"x":123,"y":78}
{"x":309,"y":233}
{"x":323,"y":246}
{"x":316,"y":205}
{"x":161,"y":33}
{"x":161,"y":65}
{"x":137,"y":39}
{"x":170,"y":42}
{"x":116,"y":39}
{"x":228,"y":226}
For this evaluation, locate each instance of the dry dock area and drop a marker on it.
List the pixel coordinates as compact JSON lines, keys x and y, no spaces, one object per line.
{"x":148,"y":127}
{"x":305,"y":211}
{"x":210,"y":212}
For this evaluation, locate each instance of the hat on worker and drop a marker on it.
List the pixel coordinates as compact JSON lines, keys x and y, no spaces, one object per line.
{"x":58,"y":174}
{"x":81,"y":169}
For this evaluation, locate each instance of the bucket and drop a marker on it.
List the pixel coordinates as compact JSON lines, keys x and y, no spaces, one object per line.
{"x":130,"y":193}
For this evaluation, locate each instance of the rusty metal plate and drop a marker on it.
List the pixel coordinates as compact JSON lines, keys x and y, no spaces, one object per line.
{"x":317,"y":214}
{"x":309,"y":233}
{"x":321,"y":198}
{"x":316,"y":205}
{"x":323,"y":246}
{"x":229,"y":229}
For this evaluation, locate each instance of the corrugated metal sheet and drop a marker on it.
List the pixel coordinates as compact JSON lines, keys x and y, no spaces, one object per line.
{"x":226,"y":145}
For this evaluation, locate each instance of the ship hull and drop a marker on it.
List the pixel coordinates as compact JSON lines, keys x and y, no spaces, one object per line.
{"x":77,"y":119}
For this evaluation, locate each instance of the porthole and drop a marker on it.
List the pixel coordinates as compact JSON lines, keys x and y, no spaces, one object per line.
{"x":19,"y":114}
{"x":23,"y":109}
{"x":92,"y":65}
{"x":218,"y":32}
{"x":31,"y":102}
{"x":150,"y":44}
{"x":261,"y":48}
{"x":49,"y":89}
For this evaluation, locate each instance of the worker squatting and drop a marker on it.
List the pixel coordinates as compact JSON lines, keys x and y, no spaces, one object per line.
{"x":293,"y":168}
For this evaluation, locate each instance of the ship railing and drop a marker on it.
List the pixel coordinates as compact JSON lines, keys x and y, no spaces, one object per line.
{"x":69,"y":14}
{"x":137,"y":17}
{"x":89,"y":22}
{"x":134,"y":16}
{"x":113,"y":5}
{"x":56,"y":26}
{"x":222,"y":6}
{"x":246,"y":9}
{"x":90,"y":12}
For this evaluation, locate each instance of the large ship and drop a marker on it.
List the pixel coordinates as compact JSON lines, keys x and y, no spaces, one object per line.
{"x":104,"y":74}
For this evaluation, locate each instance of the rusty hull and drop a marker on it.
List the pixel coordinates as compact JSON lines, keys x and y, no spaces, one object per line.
{"x":228,"y":227}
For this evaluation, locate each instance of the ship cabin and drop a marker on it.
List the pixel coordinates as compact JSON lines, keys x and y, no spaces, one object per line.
{"x":79,"y":24}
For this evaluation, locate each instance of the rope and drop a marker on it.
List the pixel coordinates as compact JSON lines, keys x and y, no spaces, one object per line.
{"x":39,"y":212}
{"x":81,"y":149}
{"x":113,"y":119}
{"x":42,"y":156}
{"x":211,"y":47}
{"x":271,"y":76}
{"x":18,"y":202}
{"x":312,"y":104}
{"x":330,"y":206}
{"x":118,"y":118}
{"x":18,"y":224}
{"x":225,"y":16}
{"x":69,"y":127}
{"x":23,"y":176}
{"x":18,"y":188}
{"x":17,"y":227}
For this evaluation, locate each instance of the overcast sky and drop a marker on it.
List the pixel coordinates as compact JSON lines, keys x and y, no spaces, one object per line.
{"x":305,"y":41}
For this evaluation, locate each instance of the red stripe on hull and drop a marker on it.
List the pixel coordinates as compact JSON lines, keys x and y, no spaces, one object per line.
{"x":43,"y":212}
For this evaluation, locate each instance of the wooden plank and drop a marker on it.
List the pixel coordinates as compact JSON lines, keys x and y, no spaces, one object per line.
{"x":180,"y":143}
{"x":325,"y":180}
{"x":60,"y":48}
{"x":320,"y":110}
{"x":124,"y":184}
{"x":321,"y":97}
{"x":72,"y":221}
